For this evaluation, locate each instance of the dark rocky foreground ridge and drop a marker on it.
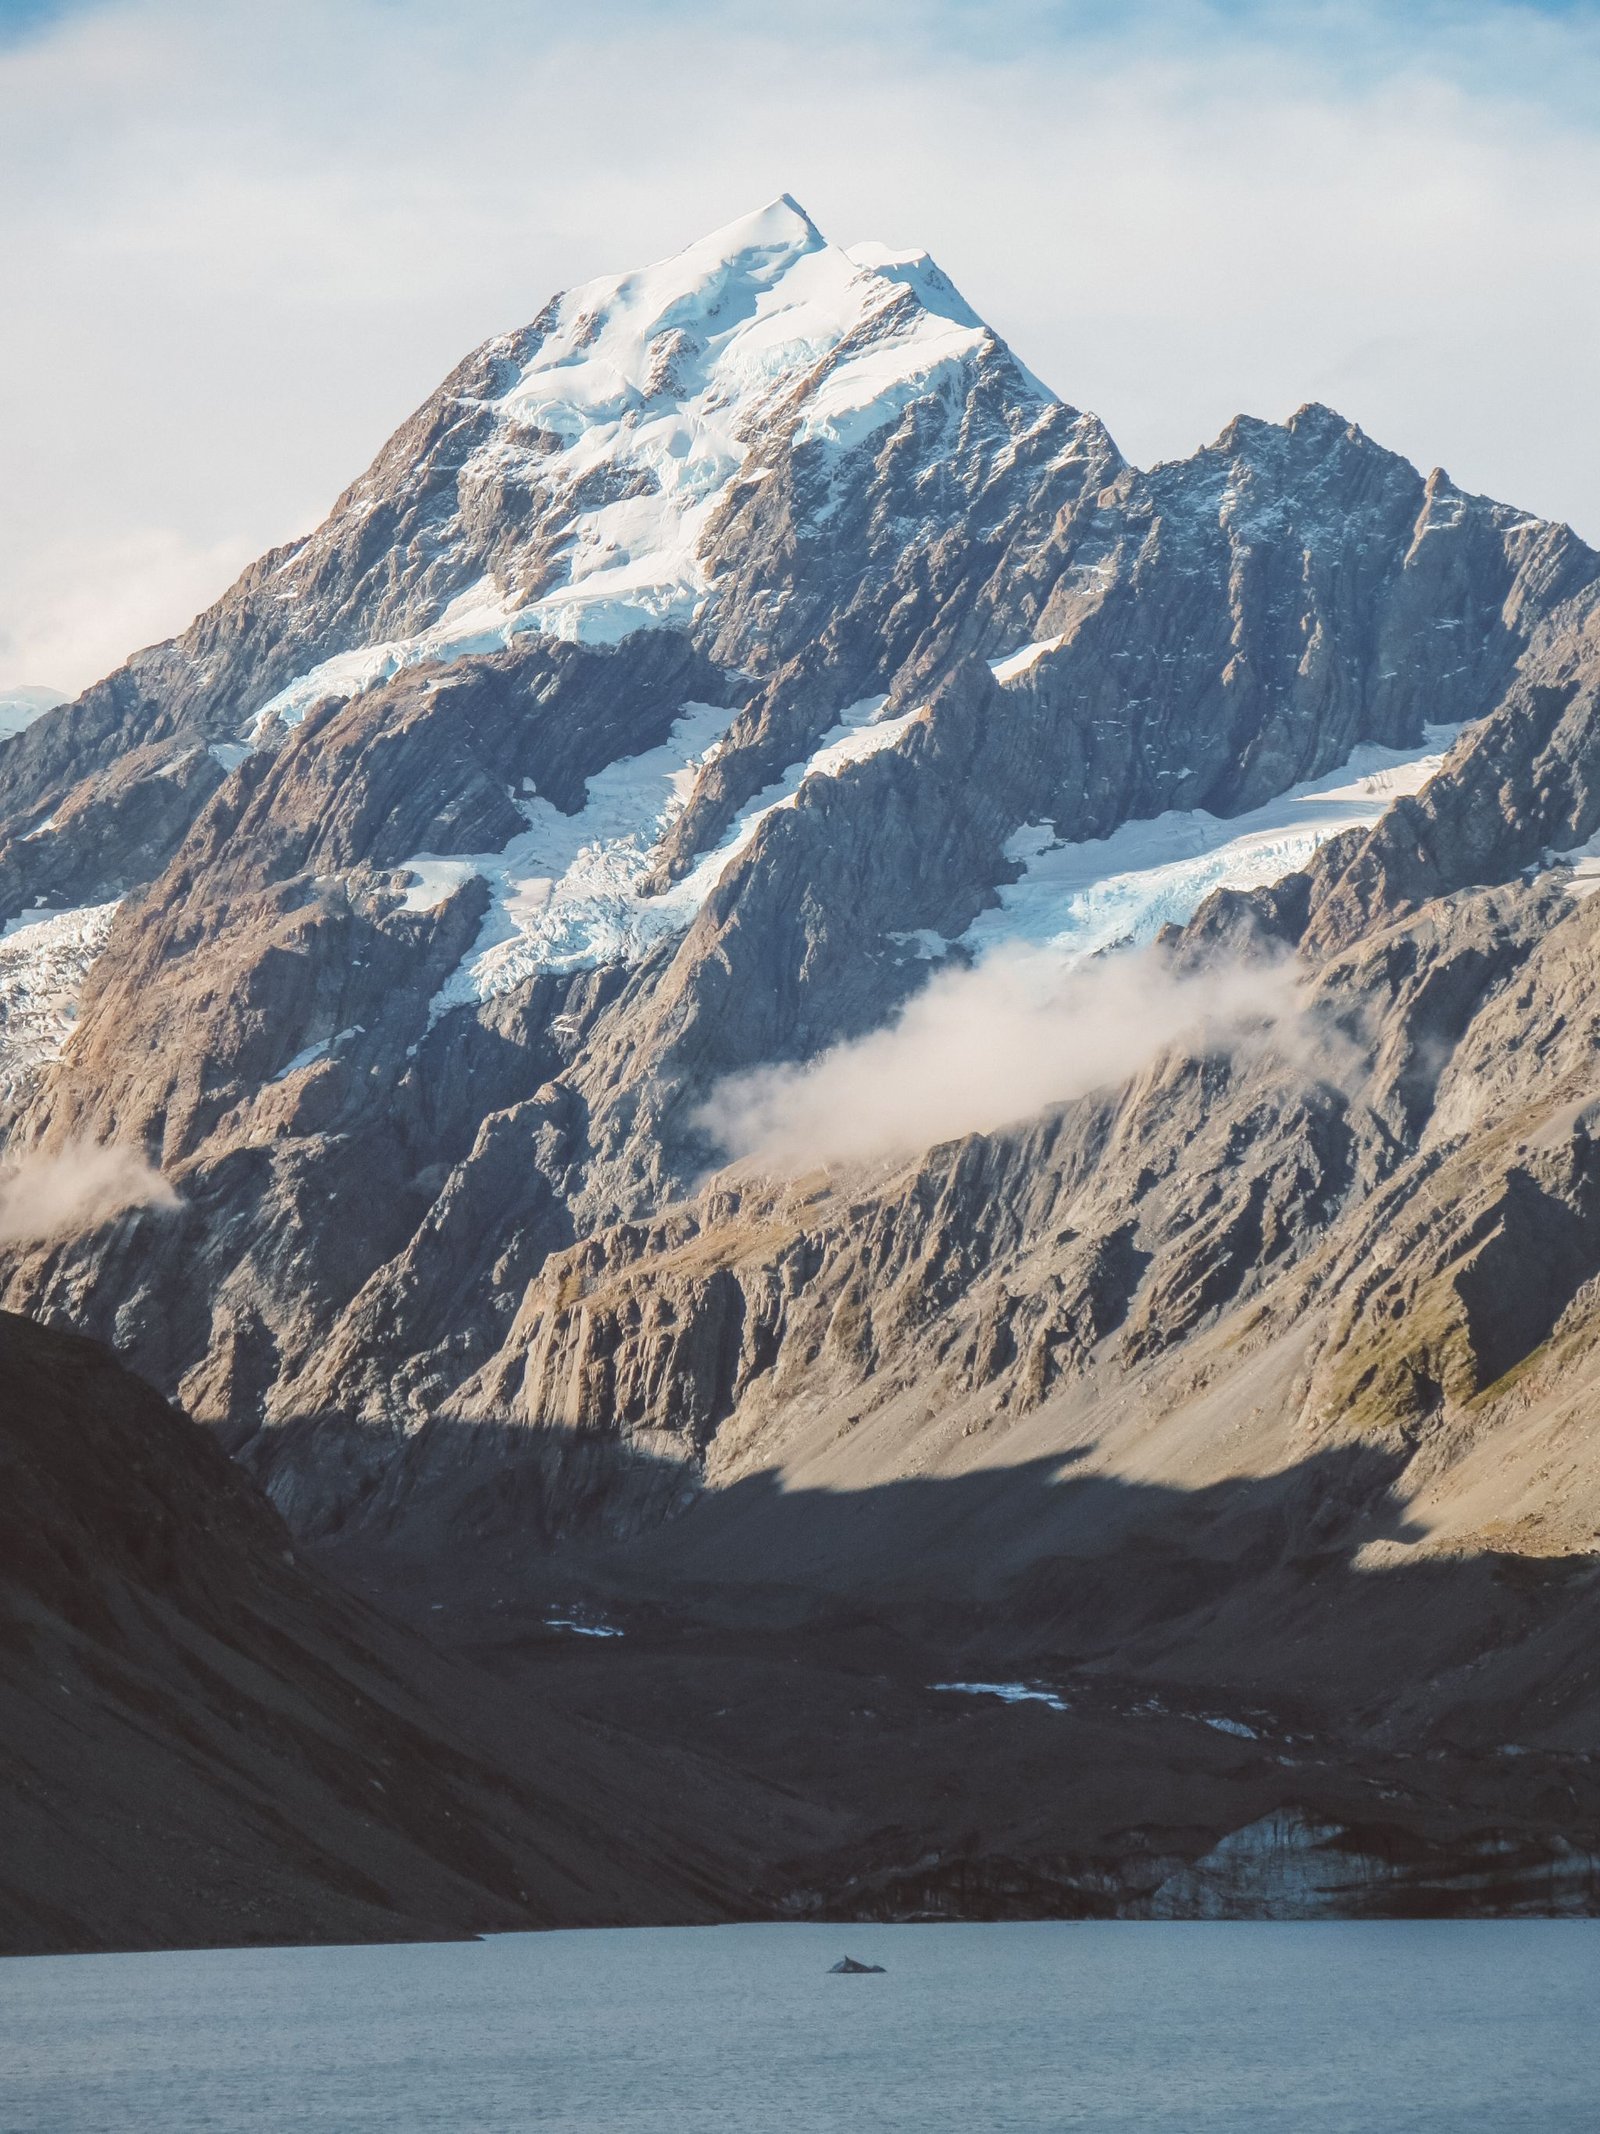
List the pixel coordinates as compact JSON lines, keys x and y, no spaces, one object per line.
{"x":1240,"y":1409}
{"x":204,"y":1741}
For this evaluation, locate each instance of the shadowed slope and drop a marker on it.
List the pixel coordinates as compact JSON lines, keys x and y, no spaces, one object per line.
{"x":203,"y":1741}
{"x":1173,"y":1673}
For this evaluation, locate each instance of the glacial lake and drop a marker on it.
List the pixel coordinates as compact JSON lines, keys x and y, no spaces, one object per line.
{"x":1312,"y":2029}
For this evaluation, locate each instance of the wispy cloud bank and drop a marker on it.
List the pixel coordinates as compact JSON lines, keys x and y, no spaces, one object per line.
{"x":47,"y":1197}
{"x":984,"y":1047}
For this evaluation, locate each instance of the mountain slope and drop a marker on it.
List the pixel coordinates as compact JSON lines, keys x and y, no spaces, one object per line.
{"x":545,"y":895}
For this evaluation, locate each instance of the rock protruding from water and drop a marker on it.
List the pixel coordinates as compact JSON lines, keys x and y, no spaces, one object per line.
{"x":848,"y":1965}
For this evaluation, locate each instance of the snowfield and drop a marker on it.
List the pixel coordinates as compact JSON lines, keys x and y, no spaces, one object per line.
{"x":1119,"y":891}
{"x":650,"y":390}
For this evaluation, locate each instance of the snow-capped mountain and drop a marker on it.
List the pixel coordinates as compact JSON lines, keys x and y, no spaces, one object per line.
{"x":616,"y":431}
{"x":741,"y":651}
{"x":751,"y":634}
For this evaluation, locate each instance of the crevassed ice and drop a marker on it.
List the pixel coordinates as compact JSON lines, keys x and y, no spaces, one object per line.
{"x":44,"y":958}
{"x":1079,"y":899}
{"x":565,"y":895}
{"x":650,"y":388}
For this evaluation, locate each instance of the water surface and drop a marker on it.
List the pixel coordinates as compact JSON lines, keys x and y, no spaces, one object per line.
{"x":1477,"y":2028}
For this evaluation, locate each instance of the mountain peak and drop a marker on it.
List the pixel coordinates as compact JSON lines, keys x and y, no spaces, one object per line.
{"x":774,"y":235}
{"x":1316,"y":418}
{"x":784,"y":215}
{"x":917,"y":271}
{"x":667,"y":376}
{"x":646,"y":398}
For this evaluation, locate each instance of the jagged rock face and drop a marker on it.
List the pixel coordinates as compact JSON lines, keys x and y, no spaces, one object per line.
{"x":1527,"y":789}
{"x":669,"y":696}
{"x":1431,"y":1207}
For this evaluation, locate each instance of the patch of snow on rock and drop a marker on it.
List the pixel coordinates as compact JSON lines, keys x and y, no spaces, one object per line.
{"x":1080,"y":899}
{"x":432,"y":881}
{"x":321,"y":1050}
{"x":1584,"y":860}
{"x":1015,"y":663}
{"x":1007,"y":1692}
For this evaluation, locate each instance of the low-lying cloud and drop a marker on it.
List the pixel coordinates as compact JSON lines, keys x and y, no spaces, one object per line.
{"x":45,"y":1198}
{"x":983,"y":1047}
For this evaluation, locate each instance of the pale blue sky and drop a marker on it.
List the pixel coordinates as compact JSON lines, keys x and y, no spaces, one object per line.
{"x":240,"y":242}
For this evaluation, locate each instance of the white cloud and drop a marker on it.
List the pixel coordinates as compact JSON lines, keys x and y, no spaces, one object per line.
{"x":239,"y":245}
{"x":78,"y":606}
{"x":46,"y":1197}
{"x":986,"y":1046}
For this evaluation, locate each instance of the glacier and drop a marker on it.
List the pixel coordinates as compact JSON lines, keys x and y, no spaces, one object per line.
{"x":566,"y":895}
{"x":44,"y":959}
{"x":1080,"y":899}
